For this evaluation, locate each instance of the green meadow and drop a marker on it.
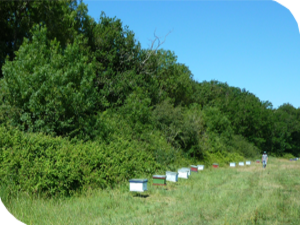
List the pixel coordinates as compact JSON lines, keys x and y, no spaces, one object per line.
{"x":240,"y":195}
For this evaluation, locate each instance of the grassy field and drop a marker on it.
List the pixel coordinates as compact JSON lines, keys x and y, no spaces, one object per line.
{"x":241,"y":195}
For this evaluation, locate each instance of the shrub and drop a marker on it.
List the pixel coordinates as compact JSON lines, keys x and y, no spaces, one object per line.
{"x":52,"y":88}
{"x":288,"y":156}
{"x":222,"y":158}
{"x":39,"y":164}
{"x":243,"y":147}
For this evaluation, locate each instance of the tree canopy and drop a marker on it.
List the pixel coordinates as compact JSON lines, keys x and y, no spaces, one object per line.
{"x":64,"y":74}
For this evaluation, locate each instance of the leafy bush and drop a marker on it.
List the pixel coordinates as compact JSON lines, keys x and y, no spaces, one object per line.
{"x":243,"y":147}
{"x":52,"y":88}
{"x":39,"y":164}
{"x":288,"y":156}
{"x":223,"y":158}
{"x":140,"y":132}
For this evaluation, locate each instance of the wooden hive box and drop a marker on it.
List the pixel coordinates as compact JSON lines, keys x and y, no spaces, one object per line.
{"x":189,"y":170}
{"x":232,"y":164}
{"x":171,"y":176}
{"x":183,"y":173}
{"x":194,"y":168}
{"x":159,"y":180}
{"x":257,"y":161}
{"x":138,"y":185}
{"x":241,"y":164}
{"x":248,"y":163}
{"x":215,"y":165}
{"x":200,"y":167}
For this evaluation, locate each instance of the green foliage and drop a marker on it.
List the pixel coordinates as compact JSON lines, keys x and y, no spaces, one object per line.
{"x":248,"y":115}
{"x":146,"y":138}
{"x":217,"y":123}
{"x":288,"y":156}
{"x":137,"y":109}
{"x":53,"y":89}
{"x":218,"y":133}
{"x":169,"y":120}
{"x":172,"y":79}
{"x":39,"y":164}
{"x":223,"y":158}
{"x":244,"y":148}
{"x":181,"y":127}
{"x":286,"y":133}
{"x":63,"y":18}
{"x":115,"y":50}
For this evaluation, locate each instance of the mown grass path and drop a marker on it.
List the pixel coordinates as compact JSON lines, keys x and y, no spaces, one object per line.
{"x":241,"y":195}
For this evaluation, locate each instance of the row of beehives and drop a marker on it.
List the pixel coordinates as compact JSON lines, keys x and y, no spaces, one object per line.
{"x":140,"y":185}
{"x":295,"y":159}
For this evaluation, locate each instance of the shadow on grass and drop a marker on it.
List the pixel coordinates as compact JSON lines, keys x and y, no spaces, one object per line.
{"x":139,"y":195}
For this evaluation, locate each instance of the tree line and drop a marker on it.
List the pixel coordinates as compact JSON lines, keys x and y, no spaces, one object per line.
{"x":65,"y":74}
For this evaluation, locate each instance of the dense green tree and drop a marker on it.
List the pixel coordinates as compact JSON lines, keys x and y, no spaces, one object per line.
{"x":249,"y":116}
{"x":53,"y":89}
{"x":116,"y":51}
{"x":123,"y":66}
{"x":286,"y":134}
{"x":63,"y":18}
{"x":173,"y":79}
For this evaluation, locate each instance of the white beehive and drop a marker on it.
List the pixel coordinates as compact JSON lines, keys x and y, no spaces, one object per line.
{"x":248,"y":162}
{"x":232,"y":164}
{"x":138,"y":185}
{"x":183,"y":173}
{"x":241,"y":164}
{"x":200,"y":167}
{"x":189,"y":170}
{"x":172,"y":176}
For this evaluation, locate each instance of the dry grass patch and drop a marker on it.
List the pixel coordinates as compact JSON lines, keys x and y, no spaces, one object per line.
{"x":293,"y":165}
{"x":283,"y":160}
{"x":249,"y":168}
{"x":273,"y":186}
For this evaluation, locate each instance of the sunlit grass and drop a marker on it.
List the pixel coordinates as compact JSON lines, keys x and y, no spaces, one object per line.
{"x":241,"y":195}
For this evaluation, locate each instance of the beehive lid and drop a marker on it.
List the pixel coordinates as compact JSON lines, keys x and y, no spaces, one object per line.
{"x":193,"y":166}
{"x":159,"y":176}
{"x":138,"y":180}
{"x":186,"y":168}
{"x":183,"y":170}
{"x":171,"y":173}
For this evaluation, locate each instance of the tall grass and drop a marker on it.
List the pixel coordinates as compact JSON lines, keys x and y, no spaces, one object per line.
{"x":241,"y":195}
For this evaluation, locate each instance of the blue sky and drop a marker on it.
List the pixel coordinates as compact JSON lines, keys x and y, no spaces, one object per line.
{"x":248,"y":44}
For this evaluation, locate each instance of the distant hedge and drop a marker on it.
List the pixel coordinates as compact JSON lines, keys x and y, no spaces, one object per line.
{"x":40,"y":164}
